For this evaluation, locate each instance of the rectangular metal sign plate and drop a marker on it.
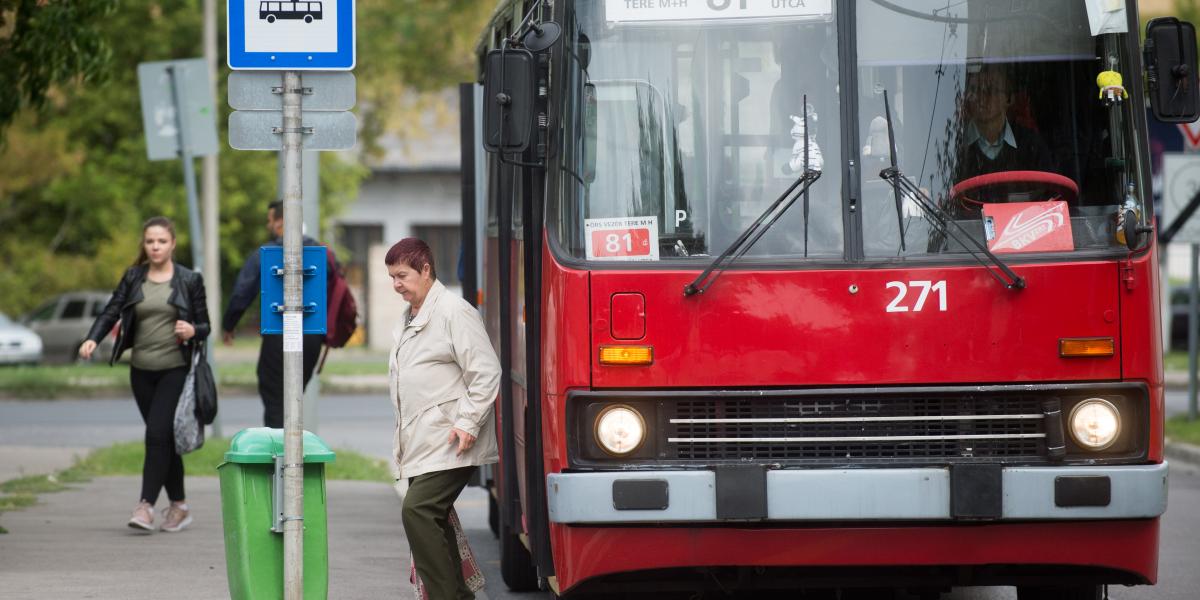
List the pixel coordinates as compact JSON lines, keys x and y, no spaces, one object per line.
{"x":260,"y":130}
{"x":263,"y":90}
{"x":271,"y":285}
{"x":1181,"y":181}
{"x":159,"y":120}
{"x":314,"y":35}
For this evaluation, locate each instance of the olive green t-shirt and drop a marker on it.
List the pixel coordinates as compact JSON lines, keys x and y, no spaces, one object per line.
{"x":155,"y":346}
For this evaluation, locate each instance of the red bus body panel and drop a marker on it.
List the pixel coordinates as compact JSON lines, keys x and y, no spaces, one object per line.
{"x":807,"y":328}
{"x":585,"y":552}
{"x":757,"y":328}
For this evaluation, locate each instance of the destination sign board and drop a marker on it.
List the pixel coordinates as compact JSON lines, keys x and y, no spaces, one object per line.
{"x":632,"y":11}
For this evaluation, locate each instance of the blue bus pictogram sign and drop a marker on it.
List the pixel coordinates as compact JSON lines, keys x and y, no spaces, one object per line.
{"x":305,"y":11}
{"x":316,"y":35}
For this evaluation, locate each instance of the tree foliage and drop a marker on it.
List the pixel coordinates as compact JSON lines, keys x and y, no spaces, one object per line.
{"x":45,"y":43}
{"x":410,"y":51}
{"x":75,"y":183}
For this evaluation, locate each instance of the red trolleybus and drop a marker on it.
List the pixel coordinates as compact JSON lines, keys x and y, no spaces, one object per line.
{"x":794,"y":295}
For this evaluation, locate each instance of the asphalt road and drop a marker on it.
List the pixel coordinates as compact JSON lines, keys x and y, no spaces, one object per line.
{"x":363,"y":423}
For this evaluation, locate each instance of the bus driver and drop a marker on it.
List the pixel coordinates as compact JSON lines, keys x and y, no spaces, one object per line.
{"x":991,"y":142}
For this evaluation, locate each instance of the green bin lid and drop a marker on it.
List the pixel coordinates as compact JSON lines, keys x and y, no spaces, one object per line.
{"x":263,"y":444}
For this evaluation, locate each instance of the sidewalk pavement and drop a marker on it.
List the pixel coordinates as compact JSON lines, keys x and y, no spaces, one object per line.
{"x":75,"y":544}
{"x":19,"y":461}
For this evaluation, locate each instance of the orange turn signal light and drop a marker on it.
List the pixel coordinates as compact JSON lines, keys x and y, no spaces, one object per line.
{"x":626,"y":355}
{"x":1085,"y":347}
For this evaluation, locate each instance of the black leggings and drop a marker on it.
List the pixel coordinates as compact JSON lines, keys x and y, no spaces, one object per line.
{"x":270,"y":373}
{"x":157,"y":394}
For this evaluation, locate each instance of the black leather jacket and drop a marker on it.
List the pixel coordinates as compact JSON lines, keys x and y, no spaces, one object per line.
{"x":187,"y":295}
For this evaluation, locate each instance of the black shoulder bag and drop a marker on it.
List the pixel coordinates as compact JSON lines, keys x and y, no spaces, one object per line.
{"x":206,"y":386}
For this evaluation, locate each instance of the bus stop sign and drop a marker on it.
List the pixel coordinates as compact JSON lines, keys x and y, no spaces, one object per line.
{"x":311,"y":35}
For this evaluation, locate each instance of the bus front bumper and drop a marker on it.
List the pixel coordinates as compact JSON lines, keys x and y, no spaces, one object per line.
{"x":967,"y":493}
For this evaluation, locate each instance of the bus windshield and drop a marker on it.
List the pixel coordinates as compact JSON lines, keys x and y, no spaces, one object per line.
{"x":687,"y":128}
{"x":995,"y":109}
{"x":683,"y":121}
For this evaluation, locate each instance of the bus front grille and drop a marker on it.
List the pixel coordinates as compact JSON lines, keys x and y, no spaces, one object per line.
{"x":856,"y":429}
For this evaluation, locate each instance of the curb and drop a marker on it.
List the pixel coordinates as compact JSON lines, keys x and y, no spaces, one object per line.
{"x":1182,"y":452}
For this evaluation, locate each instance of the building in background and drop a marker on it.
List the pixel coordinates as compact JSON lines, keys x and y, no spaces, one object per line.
{"x":414,"y":189}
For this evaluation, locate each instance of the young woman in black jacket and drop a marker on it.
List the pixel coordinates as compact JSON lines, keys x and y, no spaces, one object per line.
{"x":161,"y":309}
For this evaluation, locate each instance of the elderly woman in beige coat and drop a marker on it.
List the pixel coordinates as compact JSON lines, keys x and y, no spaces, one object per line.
{"x":443,"y":378}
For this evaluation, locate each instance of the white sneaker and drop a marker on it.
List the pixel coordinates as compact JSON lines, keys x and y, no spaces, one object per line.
{"x":143,"y":517}
{"x":176,"y":517}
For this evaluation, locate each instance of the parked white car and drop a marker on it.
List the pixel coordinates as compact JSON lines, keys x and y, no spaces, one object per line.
{"x":18,"y":344}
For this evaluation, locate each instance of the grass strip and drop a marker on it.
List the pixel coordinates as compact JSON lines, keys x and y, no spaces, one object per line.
{"x":56,"y":381}
{"x":125,"y":458}
{"x":32,"y":484}
{"x":15,"y":501}
{"x":1180,"y":429}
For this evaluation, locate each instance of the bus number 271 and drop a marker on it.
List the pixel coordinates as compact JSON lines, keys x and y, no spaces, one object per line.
{"x":898,"y":305}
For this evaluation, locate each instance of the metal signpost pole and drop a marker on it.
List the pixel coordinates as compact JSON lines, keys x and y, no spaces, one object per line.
{"x":1193,"y":331}
{"x":311,"y":189}
{"x":189,"y":173}
{"x":209,"y":191}
{"x":293,"y":344}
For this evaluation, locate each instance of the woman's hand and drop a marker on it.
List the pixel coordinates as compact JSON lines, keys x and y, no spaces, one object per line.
{"x":465,"y":440}
{"x":86,"y":349}
{"x":184,"y":331}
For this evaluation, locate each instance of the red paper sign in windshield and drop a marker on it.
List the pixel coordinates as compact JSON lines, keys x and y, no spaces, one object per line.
{"x":1028,"y":227}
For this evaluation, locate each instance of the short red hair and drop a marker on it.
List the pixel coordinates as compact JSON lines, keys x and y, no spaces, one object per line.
{"x":413,"y":252}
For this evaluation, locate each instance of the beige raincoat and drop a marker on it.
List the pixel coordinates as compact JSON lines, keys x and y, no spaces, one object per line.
{"x":442,"y":373}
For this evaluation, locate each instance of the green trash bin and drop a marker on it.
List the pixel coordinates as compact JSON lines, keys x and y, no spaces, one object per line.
{"x":251,"y":505}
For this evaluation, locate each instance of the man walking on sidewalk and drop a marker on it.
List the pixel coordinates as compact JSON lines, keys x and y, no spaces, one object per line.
{"x":270,"y":353}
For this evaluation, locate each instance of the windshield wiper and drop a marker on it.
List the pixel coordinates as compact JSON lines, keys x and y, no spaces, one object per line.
{"x":751,"y":235}
{"x":999,"y":271}
{"x":887,"y":111}
{"x":755,"y":230}
{"x":938,"y":218}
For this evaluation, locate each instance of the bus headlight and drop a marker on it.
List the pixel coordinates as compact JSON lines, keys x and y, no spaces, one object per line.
{"x":620,"y":429}
{"x":1095,"y":424}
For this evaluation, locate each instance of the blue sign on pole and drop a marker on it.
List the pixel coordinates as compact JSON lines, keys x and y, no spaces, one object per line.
{"x":317,"y":35}
{"x":271,"y":277}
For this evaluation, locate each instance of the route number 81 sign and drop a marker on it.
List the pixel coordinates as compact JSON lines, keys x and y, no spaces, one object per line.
{"x":625,"y":238}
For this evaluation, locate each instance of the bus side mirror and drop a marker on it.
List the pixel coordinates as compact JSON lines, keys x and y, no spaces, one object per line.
{"x":589,"y":132}
{"x":509,"y":91}
{"x":1170,"y":61}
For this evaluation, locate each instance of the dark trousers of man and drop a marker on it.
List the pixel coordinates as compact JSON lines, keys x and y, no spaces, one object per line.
{"x":270,"y":373}
{"x":430,"y":537}
{"x":157,"y":394}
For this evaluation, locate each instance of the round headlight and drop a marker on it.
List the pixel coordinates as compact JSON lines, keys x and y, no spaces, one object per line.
{"x":1095,"y":424}
{"x":620,"y":429}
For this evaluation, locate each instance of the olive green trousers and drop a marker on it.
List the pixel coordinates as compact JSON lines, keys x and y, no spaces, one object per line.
{"x":434,"y":548}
